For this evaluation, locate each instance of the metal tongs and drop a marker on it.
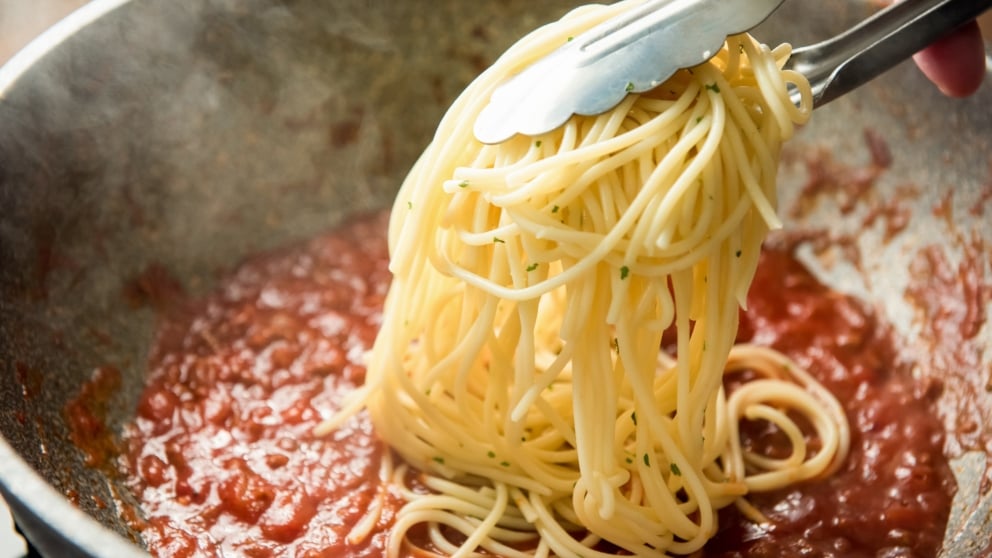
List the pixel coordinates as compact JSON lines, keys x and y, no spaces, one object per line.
{"x":643,"y":47}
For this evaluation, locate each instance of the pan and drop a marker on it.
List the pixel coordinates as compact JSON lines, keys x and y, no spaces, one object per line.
{"x":190,"y":134}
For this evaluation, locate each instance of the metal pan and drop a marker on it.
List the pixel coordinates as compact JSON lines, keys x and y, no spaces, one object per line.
{"x":190,"y":133}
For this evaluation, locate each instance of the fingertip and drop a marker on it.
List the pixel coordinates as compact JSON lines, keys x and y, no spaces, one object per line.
{"x":955,"y":63}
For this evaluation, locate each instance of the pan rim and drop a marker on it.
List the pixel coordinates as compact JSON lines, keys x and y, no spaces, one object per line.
{"x":30,"y":497}
{"x":26,"y":58}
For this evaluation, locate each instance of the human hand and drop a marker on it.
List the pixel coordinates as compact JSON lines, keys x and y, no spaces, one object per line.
{"x":955,"y":63}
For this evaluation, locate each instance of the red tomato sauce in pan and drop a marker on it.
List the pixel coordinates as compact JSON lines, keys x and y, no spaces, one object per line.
{"x":222,"y":458}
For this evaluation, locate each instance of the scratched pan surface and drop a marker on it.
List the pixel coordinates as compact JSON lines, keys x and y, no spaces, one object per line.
{"x":192,"y":133}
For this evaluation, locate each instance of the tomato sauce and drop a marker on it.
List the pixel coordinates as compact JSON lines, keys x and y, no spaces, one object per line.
{"x":222,"y":458}
{"x":893,"y":496}
{"x":221,"y":453}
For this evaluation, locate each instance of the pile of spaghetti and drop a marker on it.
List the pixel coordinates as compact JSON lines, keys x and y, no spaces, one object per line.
{"x":519,"y":363}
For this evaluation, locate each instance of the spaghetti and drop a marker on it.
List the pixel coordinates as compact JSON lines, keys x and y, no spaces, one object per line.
{"x":518,"y":363}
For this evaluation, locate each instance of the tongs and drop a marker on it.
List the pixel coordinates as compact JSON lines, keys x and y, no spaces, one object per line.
{"x":640,"y":49}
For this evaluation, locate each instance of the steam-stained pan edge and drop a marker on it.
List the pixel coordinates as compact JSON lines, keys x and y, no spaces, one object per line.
{"x":52,"y":524}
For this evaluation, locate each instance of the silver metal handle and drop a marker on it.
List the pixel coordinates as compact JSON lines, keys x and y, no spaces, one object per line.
{"x":849,"y":60}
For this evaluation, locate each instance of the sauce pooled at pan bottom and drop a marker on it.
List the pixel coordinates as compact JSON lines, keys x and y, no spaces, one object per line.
{"x":222,"y":458}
